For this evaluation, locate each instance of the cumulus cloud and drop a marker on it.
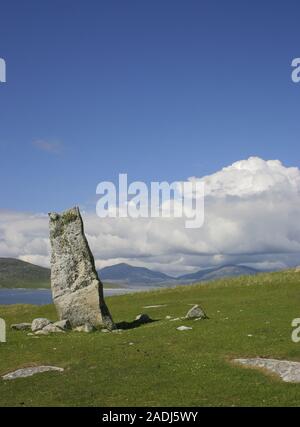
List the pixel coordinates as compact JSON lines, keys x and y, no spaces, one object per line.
{"x":252,"y":213}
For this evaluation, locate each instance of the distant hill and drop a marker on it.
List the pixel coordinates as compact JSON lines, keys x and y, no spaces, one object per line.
{"x":126,"y":274}
{"x":129,"y":275}
{"x":15,"y":273}
{"x":217,"y":273}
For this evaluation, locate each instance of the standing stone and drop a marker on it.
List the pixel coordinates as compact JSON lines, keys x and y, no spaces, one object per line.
{"x":76,"y":289}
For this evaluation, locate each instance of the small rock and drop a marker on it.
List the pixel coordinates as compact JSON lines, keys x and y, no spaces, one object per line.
{"x":65,"y":325}
{"x":168,"y":317}
{"x":183,"y":328}
{"x":143,"y":318}
{"x":288,"y":371}
{"x":21,"y":326}
{"x":39,"y":323}
{"x":28,"y":372}
{"x":41,"y":332}
{"x":30,"y":334}
{"x":105,"y":330}
{"x":155,"y":306}
{"x":176,"y":318}
{"x":196,"y":312}
{"x":52,"y":329}
{"x":87,"y":327}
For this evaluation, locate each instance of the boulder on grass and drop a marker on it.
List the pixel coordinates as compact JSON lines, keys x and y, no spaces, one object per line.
{"x":65,"y":325}
{"x":52,"y":329}
{"x":39,"y":323}
{"x":196,"y":312}
{"x":21,"y":326}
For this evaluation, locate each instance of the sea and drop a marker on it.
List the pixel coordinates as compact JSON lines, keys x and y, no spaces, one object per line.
{"x":43,"y":296}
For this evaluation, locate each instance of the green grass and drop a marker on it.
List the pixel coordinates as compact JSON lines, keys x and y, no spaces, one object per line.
{"x":113,"y":286}
{"x":164,"y":366}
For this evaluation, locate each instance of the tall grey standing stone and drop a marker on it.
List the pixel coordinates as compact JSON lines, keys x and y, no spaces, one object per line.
{"x":76,"y":289}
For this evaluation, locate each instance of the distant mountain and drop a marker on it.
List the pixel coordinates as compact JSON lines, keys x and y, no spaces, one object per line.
{"x":218,"y":273}
{"x":126,"y":274}
{"x":15,"y":273}
{"x":129,"y":275}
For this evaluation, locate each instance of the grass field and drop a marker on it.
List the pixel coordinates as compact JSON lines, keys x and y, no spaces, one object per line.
{"x":157,"y":365}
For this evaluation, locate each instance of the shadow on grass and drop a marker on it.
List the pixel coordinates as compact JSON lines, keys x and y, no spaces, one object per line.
{"x":134,"y":324}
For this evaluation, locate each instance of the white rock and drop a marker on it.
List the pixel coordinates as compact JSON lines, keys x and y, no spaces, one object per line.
{"x":288,"y":371}
{"x":87,"y":327}
{"x":28,"y":372}
{"x":39,"y":323}
{"x":155,"y":306}
{"x":183,"y":328}
{"x":65,"y":325}
{"x":41,"y":332}
{"x":52,"y":329}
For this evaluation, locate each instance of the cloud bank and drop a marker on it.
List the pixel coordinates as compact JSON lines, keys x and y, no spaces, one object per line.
{"x":252,"y":211}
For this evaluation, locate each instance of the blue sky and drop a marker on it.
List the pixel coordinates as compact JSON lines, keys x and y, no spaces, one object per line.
{"x":162,"y":90}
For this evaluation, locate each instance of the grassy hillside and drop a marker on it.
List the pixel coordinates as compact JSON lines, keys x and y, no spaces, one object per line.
{"x":15,"y":273}
{"x":157,"y":365}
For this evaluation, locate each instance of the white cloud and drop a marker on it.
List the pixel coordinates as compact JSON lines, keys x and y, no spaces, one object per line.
{"x":252,"y":213}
